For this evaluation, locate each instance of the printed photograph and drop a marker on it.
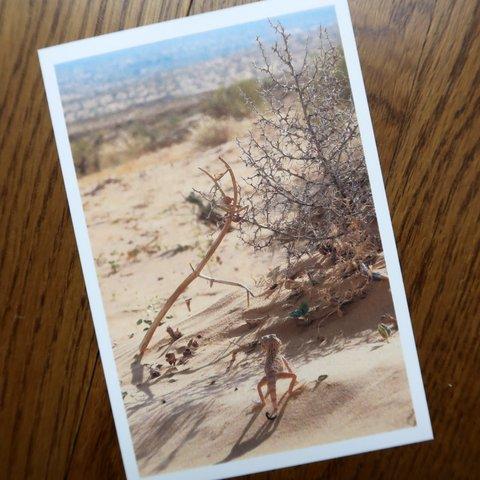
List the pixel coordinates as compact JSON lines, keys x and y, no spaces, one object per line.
{"x":236,"y":244}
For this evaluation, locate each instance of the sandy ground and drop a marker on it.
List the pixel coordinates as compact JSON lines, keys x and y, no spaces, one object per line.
{"x":144,"y":235}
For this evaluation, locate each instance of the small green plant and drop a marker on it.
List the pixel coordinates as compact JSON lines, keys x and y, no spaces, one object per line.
{"x":232,"y":101}
{"x":301,"y":311}
{"x":385,"y":331}
{"x":114,"y":266}
{"x":146,"y":322}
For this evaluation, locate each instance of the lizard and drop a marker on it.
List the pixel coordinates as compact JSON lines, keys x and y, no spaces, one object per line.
{"x":275,"y":366}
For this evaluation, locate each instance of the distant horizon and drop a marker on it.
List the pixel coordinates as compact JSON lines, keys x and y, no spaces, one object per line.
{"x":183,"y":51}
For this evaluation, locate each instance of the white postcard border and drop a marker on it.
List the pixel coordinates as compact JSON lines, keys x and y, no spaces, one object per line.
{"x":51,"y":56}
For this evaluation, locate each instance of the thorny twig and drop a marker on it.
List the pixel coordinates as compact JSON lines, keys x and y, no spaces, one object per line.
{"x":310,"y":182}
{"x":231,"y":215}
{"x":227,"y":282}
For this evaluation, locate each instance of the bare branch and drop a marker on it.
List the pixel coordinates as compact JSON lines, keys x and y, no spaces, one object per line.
{"x":225,"y":282}
{"x":229,"y":218}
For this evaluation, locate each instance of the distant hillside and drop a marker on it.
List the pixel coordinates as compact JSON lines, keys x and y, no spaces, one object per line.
{"x":108,"y":84}
{"x":123,"y":104}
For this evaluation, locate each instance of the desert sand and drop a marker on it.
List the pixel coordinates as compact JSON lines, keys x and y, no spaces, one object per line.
{"x":144,"y":235}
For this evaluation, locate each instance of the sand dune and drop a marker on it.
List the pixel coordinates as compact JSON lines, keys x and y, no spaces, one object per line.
{"x":144,"y":235}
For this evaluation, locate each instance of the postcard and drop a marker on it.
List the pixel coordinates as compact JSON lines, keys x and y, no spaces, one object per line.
{"x":235,"y":239}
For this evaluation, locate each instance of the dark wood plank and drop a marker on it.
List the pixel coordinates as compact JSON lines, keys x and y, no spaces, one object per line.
{"x":421,"y":69}
{"x":96,"y":453}
{"x":211,"y":5}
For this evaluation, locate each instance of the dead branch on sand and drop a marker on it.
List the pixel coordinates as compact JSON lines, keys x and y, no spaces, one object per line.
{"x":175,"y":334}
{"x":227,"y":282}
{"x":232,"y":210}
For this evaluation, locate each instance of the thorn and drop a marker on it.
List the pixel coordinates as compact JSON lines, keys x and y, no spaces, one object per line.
{"x":220,"y":175}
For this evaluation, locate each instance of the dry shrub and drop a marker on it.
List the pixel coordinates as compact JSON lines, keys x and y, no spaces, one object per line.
{"x":315,"y":290}
{"x":324,"y":283}
{"x":310,"y":183}
{"x":229,"y":101}
{"x":210,"y":132}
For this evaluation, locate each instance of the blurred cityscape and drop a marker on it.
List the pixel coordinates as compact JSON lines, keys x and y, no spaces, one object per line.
{"x":154,"y":91}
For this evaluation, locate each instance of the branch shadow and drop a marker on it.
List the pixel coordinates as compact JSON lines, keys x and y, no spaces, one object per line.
{"x":163,"y":425}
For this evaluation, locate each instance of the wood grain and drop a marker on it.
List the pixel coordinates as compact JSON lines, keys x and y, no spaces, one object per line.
{"x":421,"y":68}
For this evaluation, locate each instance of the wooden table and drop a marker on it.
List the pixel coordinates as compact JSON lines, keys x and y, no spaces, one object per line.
{"x":421,"y":61}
